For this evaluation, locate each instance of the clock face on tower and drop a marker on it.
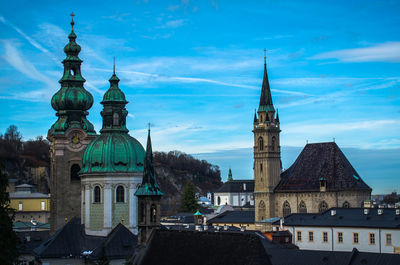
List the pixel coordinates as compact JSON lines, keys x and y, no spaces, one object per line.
{"x":75,"y":140}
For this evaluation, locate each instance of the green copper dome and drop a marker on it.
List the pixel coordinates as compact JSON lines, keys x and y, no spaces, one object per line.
{"x":113,"y":152}
{"x":72,"y":101}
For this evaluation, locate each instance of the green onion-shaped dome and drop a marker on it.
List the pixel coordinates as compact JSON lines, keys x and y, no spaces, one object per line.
{"x":113,"y":152}
{"x":72,"y":48}
{"x":114,"y":94}
{"x":72,"y":98}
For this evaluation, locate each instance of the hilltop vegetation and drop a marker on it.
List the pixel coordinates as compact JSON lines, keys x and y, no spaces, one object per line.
{"x":173,"y":169}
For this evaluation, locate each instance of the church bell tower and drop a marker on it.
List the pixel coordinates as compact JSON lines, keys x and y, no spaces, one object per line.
{"x":68,"y":136}
{"x":267,"y":153}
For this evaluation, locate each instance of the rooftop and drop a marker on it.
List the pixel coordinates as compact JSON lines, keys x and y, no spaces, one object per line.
{"x":346,"y":217}
{"x":245,"y":185}
{"x":226,"y":217}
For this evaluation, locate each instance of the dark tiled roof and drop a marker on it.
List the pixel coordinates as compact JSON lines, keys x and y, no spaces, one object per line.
{"x":31,"y":240}
{"x":206,"y":248}
{"x":71,"y":241}
{"x":316,"y":161}
{"x":351,"y":217}
{"x":229,"y":217}
{"x":120,"y":243}
{"x":237,"y":186}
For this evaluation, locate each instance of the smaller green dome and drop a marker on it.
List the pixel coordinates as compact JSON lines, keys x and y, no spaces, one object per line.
{"x":113,"y":152}
{"x":114,"y":93}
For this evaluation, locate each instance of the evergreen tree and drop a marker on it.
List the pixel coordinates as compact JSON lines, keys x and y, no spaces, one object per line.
{"x":8,"y":238}
{"x":189,"y":202}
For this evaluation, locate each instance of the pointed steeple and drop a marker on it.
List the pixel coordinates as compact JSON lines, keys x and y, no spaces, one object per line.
{"x":277,"y":116}
{"x":266,"y":98}
{"x":230,"y":178}
{"x":255,"y":116}
{"x":149,"y":186}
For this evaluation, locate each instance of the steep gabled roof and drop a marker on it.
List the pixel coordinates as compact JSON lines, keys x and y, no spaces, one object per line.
{"x":237,"y":186}
{"x":321,"y":160}
{"x":233,"y":217}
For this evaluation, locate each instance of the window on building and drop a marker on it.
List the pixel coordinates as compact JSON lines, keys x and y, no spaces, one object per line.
{"x":120,"y":194}
{"x":355,"y":238}
{"x":388,"y":239}
{"x":372,"y":238}
{"x":346,"y":204}
{"x":153,"y":214}
{"x":261,"y":167}
{"x":20,"y":206}
{"x":115,"y":119}
{"x":298,"y":235}
{"x":75,"y":168}
{"x":42,"y":206}
{"x":142,"y":212}
{"x":340,"y":237}
{"x":324,"y":237}
{"x":286,"y":208}
{"x":302,"y":207}
{"x":261,"y":210}
{"x":273,"y":143}
{"x":260,"y":143}
{"x":219,"y":200}
{"x":310,"y":236}
{"x":96,"y":195}
{"x":323,"y":206}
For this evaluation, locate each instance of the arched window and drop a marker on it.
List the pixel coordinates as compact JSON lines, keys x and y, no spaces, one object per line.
{"x":346,"y":204}
{"x":115,"y":119}
{"x":260,"y":143}
{"x":75,"y":168}
{"x":219,"y":200}
{"x":153,"y":214}
{"x":261,"y":168}
{"x":142,"y":212}
{"x":323,"y":206}
{"x":120,"y":194}
{"x":286,"y":208}
{"x":302,"y":207}
{"x":273,"y":143}
{"x":261,"y":210}
{"x":97,"y":194}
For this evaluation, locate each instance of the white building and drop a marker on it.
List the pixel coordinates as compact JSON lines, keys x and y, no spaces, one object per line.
{"x":235,"y":193}
{"x":341,"y":229}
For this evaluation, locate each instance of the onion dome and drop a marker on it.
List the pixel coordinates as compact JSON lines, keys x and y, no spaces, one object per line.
{"x":114,"y":150}
{"x":72,"y":101}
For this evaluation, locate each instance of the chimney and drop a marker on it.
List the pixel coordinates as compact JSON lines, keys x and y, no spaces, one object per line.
{"x":380,"y":211}
{"x":225,"y":227}
{"x":333,"y":212}
{"x":242,"y":228}
{"x":397,"y":211}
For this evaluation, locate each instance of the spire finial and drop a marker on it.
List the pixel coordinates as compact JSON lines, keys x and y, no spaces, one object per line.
{"x":265,"y":56}
{"x":72,"y":20}
{"x":149,"y":126}
{"x":114,"y":65}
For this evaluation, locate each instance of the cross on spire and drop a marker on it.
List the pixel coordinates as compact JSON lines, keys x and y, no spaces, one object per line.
{"x":114,"y":65}
{"x":265,"y":56}
{"x":72,"y":20}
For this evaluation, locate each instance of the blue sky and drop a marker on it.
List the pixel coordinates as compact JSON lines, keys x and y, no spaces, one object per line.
{"x":194,"y":70}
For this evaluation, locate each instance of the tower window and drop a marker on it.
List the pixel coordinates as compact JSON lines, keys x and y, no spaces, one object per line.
{"x":115,"y":119}
{"x":261,"y":210}
{"x":261,"y":167}
{"x":260,"y":143}
{"x":142,"y":212}
{"x":74,"y":172}
{"x":120,"y":194}
{"x":273,"y":143}
{"x":153,"y":214}
{"x":302,"y":207}
{"x":286,"y":208}
{"x":96,"y":195}
{"x":346,"y":204}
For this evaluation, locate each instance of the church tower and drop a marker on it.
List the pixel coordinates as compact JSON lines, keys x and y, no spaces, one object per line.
{"x":112,"y":170}
{"x":149,"y":195}
{"x":69,"y":136}
{"x":267,"y":153}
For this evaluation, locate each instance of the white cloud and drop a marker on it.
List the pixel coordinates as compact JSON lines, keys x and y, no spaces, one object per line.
{"x":174,"y":23}
{"x":383,"y":52}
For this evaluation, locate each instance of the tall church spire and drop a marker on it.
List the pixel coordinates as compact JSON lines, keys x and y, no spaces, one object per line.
{"x":266,"y":98}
